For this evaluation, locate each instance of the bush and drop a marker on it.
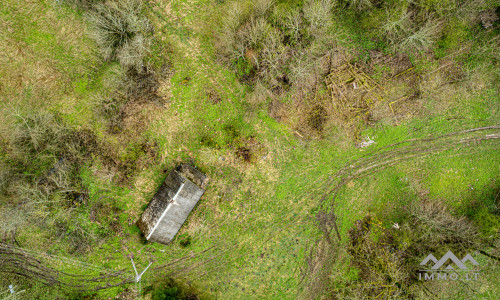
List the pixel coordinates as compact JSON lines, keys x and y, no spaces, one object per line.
{"x":432,"y":228}
{"x":168,"y":289}
{"x":184,"y":240}
{"x":121,"y":31}
{"x":372,"y":252}
{"x":424,"y":37}
{"x":319,"y":16}
{"x":406,"y":29}
{"x":290,"y":22}
{"x":40,"y":173}
{"x":263,"y":44}
{"x":397,"y":26}
{"x":42,"y":145}
{"x":389,"y":257}
{"x":38,"y":134}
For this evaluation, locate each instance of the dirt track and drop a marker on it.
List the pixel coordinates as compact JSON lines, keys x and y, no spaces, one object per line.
{"x":467,"y":141}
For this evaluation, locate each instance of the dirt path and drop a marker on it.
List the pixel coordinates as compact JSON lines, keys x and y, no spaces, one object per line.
{"x":323,"y":254}
{"x":476,"y":139}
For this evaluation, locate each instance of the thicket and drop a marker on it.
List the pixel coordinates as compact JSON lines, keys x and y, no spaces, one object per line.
{"x":45,"y":167}
{"x":387,"y":259}
{"x":292,"y":45}
{"x":40,"y":177}
{"x":44,"y":162}
{"x":279,"y":44}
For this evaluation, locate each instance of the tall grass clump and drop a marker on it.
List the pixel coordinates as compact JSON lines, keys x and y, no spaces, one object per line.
{"x":121,"y":31}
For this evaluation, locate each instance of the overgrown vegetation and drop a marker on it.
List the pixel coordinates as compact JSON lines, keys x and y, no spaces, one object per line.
{"x":42,"y":163}
{"x":46,"y":163}
{"x":288,"y":50}
{"x":121,"y":31}
{"x":42,"y":178}
{"x":344,"y":142}
{"x":388,"y":258}
{"x":168,"y":289}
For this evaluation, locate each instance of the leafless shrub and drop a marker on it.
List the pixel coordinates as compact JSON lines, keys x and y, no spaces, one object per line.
{"x":121,"y":31}
{"x":432,"y":227}
{"x":378,"y":262}
{"x":301,"y":66}
{"x":318,"y":14}
{"x":35,"y":202}
{"x":273,"y":56}
{"x":230,"y":41}
{"x":360,"y":4}
{"x":270,"y":46}
{"x":388,"y":258}
{"x":424,"y":37}
{"x":291,"y":22}
{"x":397,"y":26}
{"x":404,"y":30}
{"x":37,"y":134}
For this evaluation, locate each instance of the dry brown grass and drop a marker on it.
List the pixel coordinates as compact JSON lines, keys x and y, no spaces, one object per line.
{"x":36,"y":65}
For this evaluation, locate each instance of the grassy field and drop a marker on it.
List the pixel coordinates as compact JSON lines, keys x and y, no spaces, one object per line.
{"x":258,"y":231}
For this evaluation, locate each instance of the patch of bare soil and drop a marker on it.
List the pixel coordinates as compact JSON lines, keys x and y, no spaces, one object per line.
{"x":140,"y":93}
{"x":214,"y":96}
{"x":278,"y":110}
{"x":250,"y":150}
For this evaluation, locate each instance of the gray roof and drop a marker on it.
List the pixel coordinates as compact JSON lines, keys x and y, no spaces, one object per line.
{"x":172,"y":204}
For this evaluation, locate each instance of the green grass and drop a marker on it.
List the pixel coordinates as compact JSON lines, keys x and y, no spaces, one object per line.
{"x":259,"y":217}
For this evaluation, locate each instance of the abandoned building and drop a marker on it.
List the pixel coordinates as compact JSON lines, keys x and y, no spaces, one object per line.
{"x":172,"y":204}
